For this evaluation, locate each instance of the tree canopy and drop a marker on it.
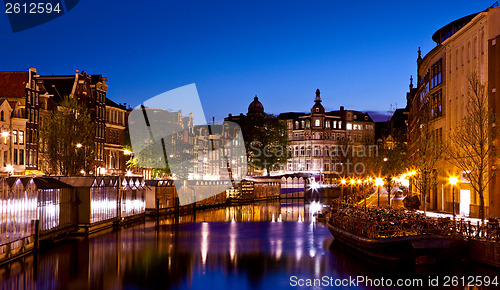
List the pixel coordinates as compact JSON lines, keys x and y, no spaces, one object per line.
{"x":67,"y":139}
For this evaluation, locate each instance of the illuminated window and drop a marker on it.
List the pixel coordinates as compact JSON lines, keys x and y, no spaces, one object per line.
{"x":21,"y":137}
{"x":317,"y":123}
{"x":14,"y":134}
{"x":317,"y":151}
{"x":349,"y":126}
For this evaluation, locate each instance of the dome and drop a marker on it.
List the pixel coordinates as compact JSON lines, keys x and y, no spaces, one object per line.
{"x":255,"y":106}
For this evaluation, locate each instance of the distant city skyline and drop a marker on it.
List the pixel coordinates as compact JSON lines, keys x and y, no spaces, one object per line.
{"x":360,"y":55}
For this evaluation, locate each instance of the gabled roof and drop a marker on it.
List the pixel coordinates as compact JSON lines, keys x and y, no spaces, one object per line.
{"x":58,"y":86}
{"x":2,"y":100}
{"x":13,"y":84}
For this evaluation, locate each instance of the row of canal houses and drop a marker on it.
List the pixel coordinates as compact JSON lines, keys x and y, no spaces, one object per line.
{"x":41,"y":209}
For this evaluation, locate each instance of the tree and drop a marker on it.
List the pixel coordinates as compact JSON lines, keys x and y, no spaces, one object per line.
{"x":426,"y":152}
{"x":69,"y":125}
{"x":390,"y":159}
{"x":471,"y":142}
{"x":266,"y":141}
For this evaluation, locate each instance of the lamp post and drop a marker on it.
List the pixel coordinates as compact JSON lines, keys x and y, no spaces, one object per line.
{"x":378,"y":182}
{"x":453,"y":182}
{"x":341,"y":191}
{"x":410,"y":183}
{"x":352,"y":187}
{"x":79,"y":145}
{"x":359,"y":189}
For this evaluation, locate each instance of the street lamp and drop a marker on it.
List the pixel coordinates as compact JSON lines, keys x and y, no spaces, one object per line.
{"x":79,"y":145}
{"x":453,"y":182}
{"x":352,"y":187}
{"x":343,"y":181}
{"x":10,"y":169}
{"x":378,"y":182}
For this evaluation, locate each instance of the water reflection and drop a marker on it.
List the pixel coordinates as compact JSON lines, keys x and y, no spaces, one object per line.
{"x":235,"y":247}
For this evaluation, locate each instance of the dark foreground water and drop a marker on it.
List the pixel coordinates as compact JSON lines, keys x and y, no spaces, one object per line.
{"x":259,"y":246}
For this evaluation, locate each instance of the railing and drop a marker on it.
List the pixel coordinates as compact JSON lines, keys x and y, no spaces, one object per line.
{"x":416,"y":227}
{"x":495,"y":4}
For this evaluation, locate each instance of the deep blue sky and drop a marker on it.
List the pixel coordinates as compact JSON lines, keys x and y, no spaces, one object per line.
{"x":360,"y":54}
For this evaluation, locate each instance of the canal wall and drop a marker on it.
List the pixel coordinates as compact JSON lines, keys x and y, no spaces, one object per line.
{"x":484,"y":251}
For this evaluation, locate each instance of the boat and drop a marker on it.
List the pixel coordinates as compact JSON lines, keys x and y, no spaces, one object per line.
{"x":396,"y":243}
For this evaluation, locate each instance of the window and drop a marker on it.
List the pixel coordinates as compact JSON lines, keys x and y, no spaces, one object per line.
{"x":15,"y":156}
{"x":436,"y":73}
{"x":317,"y":123}
{"x":2,"y":116}
{"x":296,"y":124}
{"x":21,"y":137}
{"x":21,"y":156}
{"x":317,"y":151}
{"x":14,"y":134}
{"x":327,"y":124}
{"x":327,"y":152}
{"x":349,"y":126}
{"x":302,"y":151}
{"x":296,"y":151}
{"x":317,"y":110}
{"x":308,"y":151}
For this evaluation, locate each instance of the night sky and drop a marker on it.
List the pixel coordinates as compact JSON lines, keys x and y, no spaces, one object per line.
{"x":360,"y":54}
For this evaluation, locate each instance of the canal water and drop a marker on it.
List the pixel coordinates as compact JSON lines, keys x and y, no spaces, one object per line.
{"x":268,"y":245}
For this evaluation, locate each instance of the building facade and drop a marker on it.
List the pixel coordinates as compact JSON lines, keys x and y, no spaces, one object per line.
{"x":317,"y":139}
{"x":22,"y":89}
{"x":114,"y":155}
{"x":466,"y":46}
